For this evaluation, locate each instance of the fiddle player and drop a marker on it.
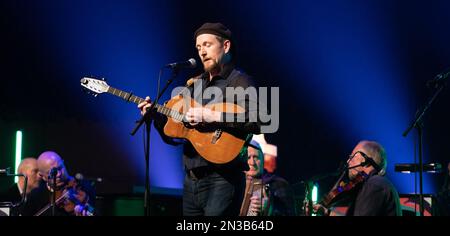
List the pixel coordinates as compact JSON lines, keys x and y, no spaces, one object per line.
{"x":375,"y":195}
{"x":80,"y":195}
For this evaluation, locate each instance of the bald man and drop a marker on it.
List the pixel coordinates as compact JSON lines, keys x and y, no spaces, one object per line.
{"x":29,"y":168}
{"x":46,"y":162}
{"x":41,"y":197}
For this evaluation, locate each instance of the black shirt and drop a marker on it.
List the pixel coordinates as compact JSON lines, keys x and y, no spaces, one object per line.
{"x":228,"y":77}
{"x":375,"y":197}
{"x":11,"y":195}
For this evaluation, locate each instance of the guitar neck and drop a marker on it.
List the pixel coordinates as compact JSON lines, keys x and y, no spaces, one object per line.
{"x":126,"y":96}
{"x":129,"y":97}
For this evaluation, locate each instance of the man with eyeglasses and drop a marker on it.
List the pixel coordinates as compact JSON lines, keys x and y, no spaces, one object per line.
{"x":374,"y":195}
{"x":51,"y":167}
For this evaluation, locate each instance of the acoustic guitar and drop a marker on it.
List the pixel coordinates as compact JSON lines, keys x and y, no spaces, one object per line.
{"x":213,"y":144}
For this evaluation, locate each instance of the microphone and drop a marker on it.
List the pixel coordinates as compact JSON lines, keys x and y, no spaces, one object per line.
{"x":53,"y":172}
{"x":370,"y":162}
{"x":191,"y":63}
{"x":439,"y":79}
{"x":4,"y":171}
{"x":81,"y":177}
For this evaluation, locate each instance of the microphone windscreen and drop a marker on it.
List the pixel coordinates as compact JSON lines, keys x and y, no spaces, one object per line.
{"x":79,"y":176}
{"x":193,"y":62}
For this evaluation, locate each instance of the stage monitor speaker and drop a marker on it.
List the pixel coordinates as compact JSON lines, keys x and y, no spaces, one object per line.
{"x":4,"y":211}
{"x":5,"y":208}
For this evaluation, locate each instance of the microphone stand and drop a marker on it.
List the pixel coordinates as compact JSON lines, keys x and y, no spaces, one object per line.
{"x":24,"y":191}
{"x":418,"y":124}
{"x":54,"y":195}
{"x":147,"y":118}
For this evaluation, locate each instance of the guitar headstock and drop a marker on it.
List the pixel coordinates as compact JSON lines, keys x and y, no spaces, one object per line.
{"x":94,"y":86}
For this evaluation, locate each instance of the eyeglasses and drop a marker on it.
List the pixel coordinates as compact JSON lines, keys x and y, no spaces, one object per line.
{"x":367,"y":160}
{"x":351,"y":156}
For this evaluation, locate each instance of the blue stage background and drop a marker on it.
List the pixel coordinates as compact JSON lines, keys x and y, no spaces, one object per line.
{"x":347,"y":70}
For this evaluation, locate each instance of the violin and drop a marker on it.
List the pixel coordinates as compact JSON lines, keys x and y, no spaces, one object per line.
{"x":341,"y":188}
{"x":68,"y":197}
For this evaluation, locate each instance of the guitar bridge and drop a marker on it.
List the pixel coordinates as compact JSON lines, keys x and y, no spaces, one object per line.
{"x":216,"y":136}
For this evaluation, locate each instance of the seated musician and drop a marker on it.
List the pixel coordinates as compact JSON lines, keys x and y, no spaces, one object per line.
{"x":266,"y":194}
{"x":73,"y":197}
{"x":29,"y":168}
{"x":374,"y":195}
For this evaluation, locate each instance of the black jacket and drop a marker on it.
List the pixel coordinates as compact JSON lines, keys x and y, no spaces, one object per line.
{"x":11,"y":195}
{"x":376,"y":196}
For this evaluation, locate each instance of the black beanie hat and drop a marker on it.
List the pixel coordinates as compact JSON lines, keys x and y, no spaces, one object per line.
{"x":213,"y":28}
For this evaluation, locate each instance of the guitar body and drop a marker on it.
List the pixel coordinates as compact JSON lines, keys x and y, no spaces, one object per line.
{"x":216,"y":147}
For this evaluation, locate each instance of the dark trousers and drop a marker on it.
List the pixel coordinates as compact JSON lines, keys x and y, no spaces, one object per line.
{"x":213,"y":195}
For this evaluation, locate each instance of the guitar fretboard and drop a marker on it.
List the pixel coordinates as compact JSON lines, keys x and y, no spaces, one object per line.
{"x":135,"y":99}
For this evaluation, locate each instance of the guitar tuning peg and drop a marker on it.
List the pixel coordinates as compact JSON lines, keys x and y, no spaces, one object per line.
{"x":103,"y":79}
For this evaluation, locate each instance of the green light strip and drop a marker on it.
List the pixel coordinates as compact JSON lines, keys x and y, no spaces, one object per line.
{"x":18,"y":152}
{"x":314,"y":194}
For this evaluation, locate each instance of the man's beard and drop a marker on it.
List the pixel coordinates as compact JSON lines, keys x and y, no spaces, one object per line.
{"x":211,"y":67}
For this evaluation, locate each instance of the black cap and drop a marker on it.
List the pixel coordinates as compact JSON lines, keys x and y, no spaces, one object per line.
{"x":213,"y":28}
